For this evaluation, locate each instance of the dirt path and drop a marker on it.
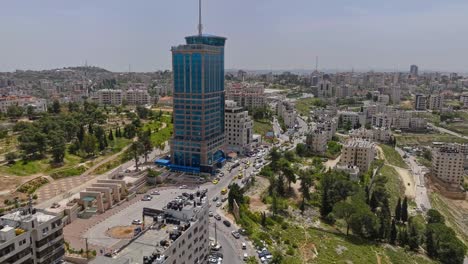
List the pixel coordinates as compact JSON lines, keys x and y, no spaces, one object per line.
{"x":405,"y":175}
{"x":331,"y":163}
{"x":255,"y":194}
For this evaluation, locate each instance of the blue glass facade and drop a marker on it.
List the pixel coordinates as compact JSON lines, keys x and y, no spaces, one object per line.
{"x":198,"y":69}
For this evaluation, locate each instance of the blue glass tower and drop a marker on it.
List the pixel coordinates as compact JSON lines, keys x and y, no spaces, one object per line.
{"x":197,"y":144}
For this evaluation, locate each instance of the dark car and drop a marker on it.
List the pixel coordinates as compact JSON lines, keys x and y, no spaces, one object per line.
{"x":227,"y":223}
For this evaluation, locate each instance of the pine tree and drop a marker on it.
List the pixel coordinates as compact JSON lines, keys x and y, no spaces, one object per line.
{"x":393,"y":233}
{"x":263,"y":221}
{"x":111,"y":135}
{"x":367,"y":194}
{"x":373,"y":203}
{"x":398,"y":211}
{"x":403,"y":236}
{"x":404,"y":210}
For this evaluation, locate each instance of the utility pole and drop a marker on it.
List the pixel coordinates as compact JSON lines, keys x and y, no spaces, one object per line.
{"x":216,"y":235}
{"x":86,"y":245}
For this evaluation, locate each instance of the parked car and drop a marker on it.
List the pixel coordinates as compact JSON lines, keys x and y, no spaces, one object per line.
{"x":210,"y":213}
{"x":227,"y":223}
{"x":218,"y":204}
{"x":235,"y":234}
{"x":244,"y":246}
{"x":183,"y":187}
{"x":246,"y":257}
{"x":215,"y":198}
{"x":147,"y":198}
{"x":224,"y":199}
{"x":137,"y":222}
{"x":217,"y":217}
{"x":155,"y":193}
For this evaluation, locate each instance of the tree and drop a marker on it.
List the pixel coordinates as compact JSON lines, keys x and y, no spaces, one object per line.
{"x":30,"y":112}
{"x":288,"y":172}
{"x":373,"y":203}
{"x":15,"y":111}
{"x":415,"y":232}
{"x":11,"y":157}
{"x":57,"y":145}
{"x":55,"y":107}
{"x":347,"y":126}
{"x":111,"y":135}
{"x":301,"y":150}
{"x":142,"y":112}
{"x":274,"y":157}
{"x":73,"y":107}
{"x":398,"y":210}
{"x":235,"y":194}
{"x":344,"y":210}
{"x":385,"y":218}
{"x":101,"y":137}
{"x":404,"y":210}
{"x":89,"y":144}
{"x":130,"y":131}
{"x":136,"y":149}
{"x":306,"y":182}
{"x":81,"y":133}
{"x":145,"y":139}
{"x":263,"y":220}
{"x":32,"y":143}
{"x":393,"y":233}
{"x":434,"y":216}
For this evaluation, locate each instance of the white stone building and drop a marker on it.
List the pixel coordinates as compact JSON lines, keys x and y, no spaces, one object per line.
{"x":316,"y":141}
{"x":448,"y":164}
{"x":286,"y":111}
{"x":31,"y":236}
{"x":238,"y":128}
{"x":358,"y":152}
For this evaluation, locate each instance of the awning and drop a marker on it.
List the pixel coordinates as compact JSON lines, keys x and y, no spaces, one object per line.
{"x":88,"y":198}
{"x":163,"y":162}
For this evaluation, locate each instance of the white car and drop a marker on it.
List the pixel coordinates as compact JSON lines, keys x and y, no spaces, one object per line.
{"x":246,"y":256}
{"x":210,"y":213}
{"x":137,"y":222}
{"x":244,"y":246}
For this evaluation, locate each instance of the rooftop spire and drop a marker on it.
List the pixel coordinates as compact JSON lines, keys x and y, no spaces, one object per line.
{"x":200,"y":27}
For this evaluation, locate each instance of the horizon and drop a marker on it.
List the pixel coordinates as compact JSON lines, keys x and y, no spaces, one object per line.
{"x":263,"y":35}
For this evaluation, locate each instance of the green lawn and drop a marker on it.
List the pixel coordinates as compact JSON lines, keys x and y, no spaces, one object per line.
{"x":303,"y":105}
{"x":416,"y":139}
{"x":296,"y":244}
{"x":118,"y":144}
{"x":394,"y":184}
{"x":451,"y":216}
{"x":392,"y":156}
{"x":262,"y":127}
{"x":21,"y":168}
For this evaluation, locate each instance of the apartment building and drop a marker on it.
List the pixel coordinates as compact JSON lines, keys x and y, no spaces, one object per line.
{"x":179,"y":234}
{"x":327,"y":125}
{"x":31,"y":236}
{"x":324,"y":89}
{"x":448,"y":164}
{"x":344,"y":91}
{"x":358,"y":152}
{"x":109,"y":97}
{"x":381,"y":120}
{"x":116,"y":97}
{"x":287,"y":111}
{"x":435,"y":102}
{"x":316,"y":141}
{"x":420,"y":102}
{"x":238,"y":128}
{"x":376,"y":134}
{"x":464,"y":100}
{"x":249,"y":96}
{"x":354,"y":118}
{"x":39,"y":105}
{"x":137,"y":97}
{"x":383,"y":99}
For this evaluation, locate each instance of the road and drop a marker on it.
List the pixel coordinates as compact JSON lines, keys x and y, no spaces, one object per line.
{"x":444,"y":130}
{"x":418,"y":171}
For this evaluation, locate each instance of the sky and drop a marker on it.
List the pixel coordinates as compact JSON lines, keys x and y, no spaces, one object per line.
{"x":261,"y":34}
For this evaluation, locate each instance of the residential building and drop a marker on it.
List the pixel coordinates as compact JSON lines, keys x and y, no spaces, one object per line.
{"x":249,"y":96}
{"x":344,"y":91}
{"x":198,"y":140}
{"x":39,"y":105}
{"x":382,"y":120}
{"x":178,"y":234}
{"x":414,"y":70}
{"x":448,"y":164}
{"x":464,"y":100}
{"x":358,"y":152}
{"x":238,"y":127}
{"x":420,"y":102}
{"x":435,"y":102}
{"x":395,"y":94}
{"x":327,"y":125}
{"x":316,"y":141}
{"x":383,"y":99}
{"x":324,"y":89}
{"x":287,"y":112}
{"x":109,"y":97}
{"x":354,"y":118}
{"x":353,"y":171}
{"x":377,"y":134}
{"x":137,"y":97}
{"x":31,"y":236}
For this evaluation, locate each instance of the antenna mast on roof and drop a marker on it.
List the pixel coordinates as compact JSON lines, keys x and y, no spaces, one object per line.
{"x":200,"y":27}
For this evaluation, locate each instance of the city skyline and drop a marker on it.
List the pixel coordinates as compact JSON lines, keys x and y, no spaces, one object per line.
{"x":266,"y":35}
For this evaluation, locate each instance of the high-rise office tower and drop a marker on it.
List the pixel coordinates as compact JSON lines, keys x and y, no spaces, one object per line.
{"x":414,"y":70}
{"x":198,"y":140}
